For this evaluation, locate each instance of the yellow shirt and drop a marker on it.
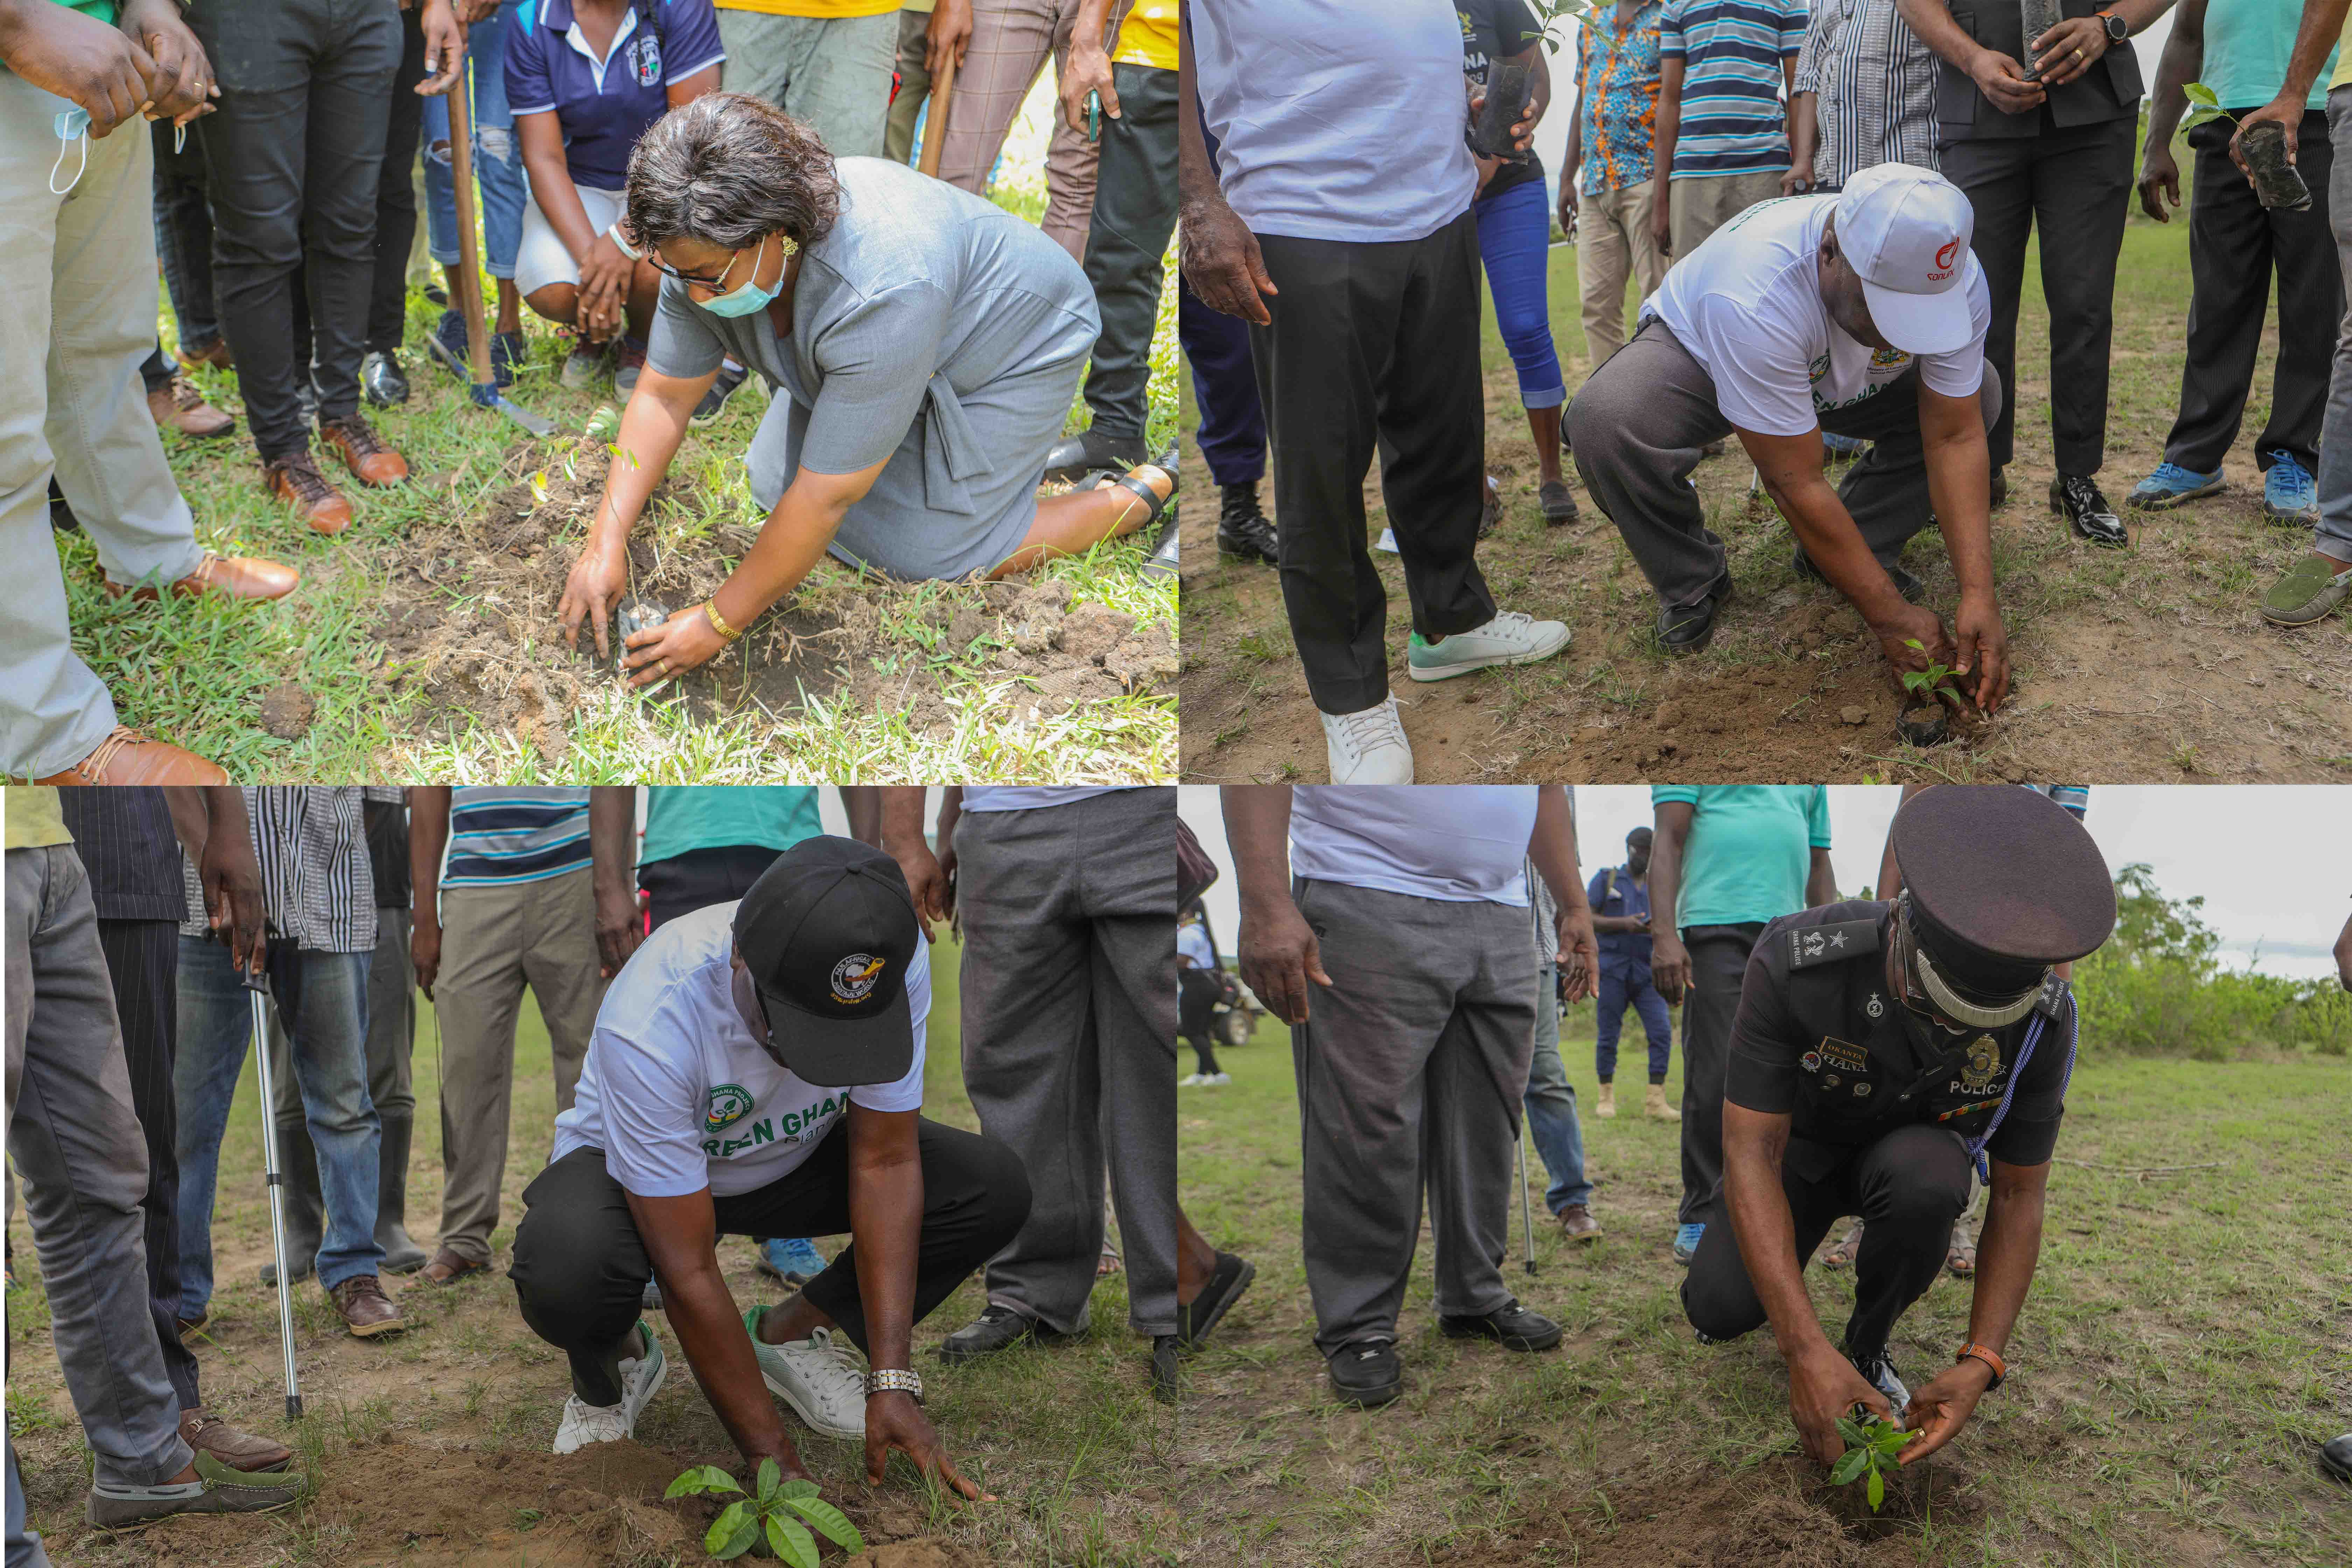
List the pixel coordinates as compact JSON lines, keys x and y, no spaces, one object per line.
{"x":34,"y":820}
{"x":2343,"y":58}
{"x":832,"y":10}
{"x":1147,"y":36}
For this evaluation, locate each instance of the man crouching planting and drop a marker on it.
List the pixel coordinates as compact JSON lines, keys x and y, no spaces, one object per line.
{"x":756,"y":1070}
{"x":1880,"y":1051}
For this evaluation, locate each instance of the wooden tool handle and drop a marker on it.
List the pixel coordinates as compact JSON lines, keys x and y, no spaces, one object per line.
{"x":469,"y":255}
{"x":935,"y":120}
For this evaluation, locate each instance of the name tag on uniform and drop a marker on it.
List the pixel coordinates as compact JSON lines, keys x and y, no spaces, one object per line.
{"x":1842,"y":1055}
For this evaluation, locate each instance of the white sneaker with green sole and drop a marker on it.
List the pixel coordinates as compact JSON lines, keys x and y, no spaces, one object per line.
{"x":821,"y":1377}
{"x":1509,"y":638}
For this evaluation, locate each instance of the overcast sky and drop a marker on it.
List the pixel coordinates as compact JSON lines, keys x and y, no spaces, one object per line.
{"x":2273,"y":863}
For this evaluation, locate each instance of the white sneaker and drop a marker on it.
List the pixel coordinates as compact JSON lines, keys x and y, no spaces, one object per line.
{"x":1509,"y":638}
{"x":1370,"y":747}
{"x":821,"y":1377}
{"x":1191,"y":1081}
{"x":1215,"y":1078}
{"x":641,"y":1379}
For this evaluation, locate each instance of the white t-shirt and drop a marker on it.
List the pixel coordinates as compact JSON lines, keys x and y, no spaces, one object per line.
{"x":1029,"y":797}
{"x":1193,"y":942}
{"x":677,"y":1091}
{"x":1747,"y":306}
{"x":1460,"y":843}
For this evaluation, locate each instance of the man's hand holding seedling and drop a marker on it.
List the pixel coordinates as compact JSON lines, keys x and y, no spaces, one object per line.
{"x":1939,"y":1409}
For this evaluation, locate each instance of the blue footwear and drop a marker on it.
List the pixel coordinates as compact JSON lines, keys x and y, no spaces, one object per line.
{"x":2289,"y":492}
{"x":509,"y":352}
{"x":2170,"y":485}
{"x":795,"y":1261}
{"x":1841,"y":447}
{"x":448,"y":344}
{"x":1686,"y":1243}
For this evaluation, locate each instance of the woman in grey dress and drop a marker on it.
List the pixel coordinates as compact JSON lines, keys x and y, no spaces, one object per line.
{"x":922,"y":347}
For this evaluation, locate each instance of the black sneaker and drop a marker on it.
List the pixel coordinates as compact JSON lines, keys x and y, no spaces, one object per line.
{"x":1242,"y":529}
{"x":1877,"y":1369}
{"x":1230,"y":1277}
{"x":382,"y":381}
{"x":2335,"y":1456}
{"x":1559,"y":502}
{"x":2087,"y":512}
{"x":1686,"y":629}
{"x":996,"y":1328}
{"x":714,"y":401}
{"x":1090,"y":450}
{"x":1167,"y":1369}
{"x":1512,"y":1326}
{"x":1365,"y":1374}
{"x":1908,"y":586}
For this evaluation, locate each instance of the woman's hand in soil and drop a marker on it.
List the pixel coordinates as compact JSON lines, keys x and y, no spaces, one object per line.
{"x":893,"y":1420}
{"x":680,"y":643}
{"x":1280,"y":955}
{"x":1669,"y":967}
{"x":1982,"y":667}
{"x":2069,"y":49}
{"x":2003,"y":83}
{"x":1940,"y":1409}
{"x":598,"y":580}
{"x":2158,"y":175}
{"x":1823,"y":1386}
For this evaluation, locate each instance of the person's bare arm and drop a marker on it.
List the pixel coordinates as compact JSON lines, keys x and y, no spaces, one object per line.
{"x":1665,"y":126}
{"x":943,"y":832}
{"x":613,"y":853}
{"x":2314,"y":36}
{"x":1552,"y":847}
{"x":948,"y":37}
{"x":1669,"y":960}
{"x":1804,"y":143}
{"x":1572,"y":161}
{"x":2002,"y":80}
{"x":1087,"y":68}
{"x":1959,"y":488}
{"x":1219,"y":255}
{"x":2183,"y":58}
{"x":604,"y":270}
{"x":2344,"y":956}
{"x":210,"y":823}
{"x":1820,"y":881}
{"x":2007,"y":1253}
{"x":2077,"y":42}
{"x":653,"y":426}
{"x":428,"y":836}
{"x":1276,"y":949}
{"x":82,"y":60}
{"x":902,"y":840}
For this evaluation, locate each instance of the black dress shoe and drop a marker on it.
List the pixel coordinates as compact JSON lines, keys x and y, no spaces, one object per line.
{"x":2087,"y":512}
{"x":1686,"y":629}
{"x":2335,"y":1456}
{"x":1908,"y":586}
{"x":1167,"y":1370}
{"x":1242,"y":528}
{"x":1088,"y":450}
{"x":1365,"y":1374}
{"x":1512,"y":1326}
{"x":1230,"y":1277}
{"x":996,"y":1328}
{"x":381,"y":380}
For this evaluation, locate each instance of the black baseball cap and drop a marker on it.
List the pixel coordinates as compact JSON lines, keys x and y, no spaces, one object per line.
{"x":828,"y":933}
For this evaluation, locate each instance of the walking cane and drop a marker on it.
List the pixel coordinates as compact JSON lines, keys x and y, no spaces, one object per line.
{"x":257,"y":986}
{"x":484,"y":386}
{"x":935,"y":120}
{"x":1526,"y":1212}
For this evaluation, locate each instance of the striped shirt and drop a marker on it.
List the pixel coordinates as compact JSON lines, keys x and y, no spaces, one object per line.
{"x":1875,"y":90}
{"x":316,"y":888}
{"x":1732,"y":121}
{"x":501,"y":837}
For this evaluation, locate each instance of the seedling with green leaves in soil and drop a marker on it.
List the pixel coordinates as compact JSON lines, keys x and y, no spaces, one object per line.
{"x":774,"y":1512}
{"x":1873,"y":1442}
{"x":1936,"y":680}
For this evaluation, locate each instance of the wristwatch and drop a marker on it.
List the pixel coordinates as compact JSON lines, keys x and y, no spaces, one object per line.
{"x":1991,"y":1358}
{"x":891,"y":1381}
{"x":2117,"y":28}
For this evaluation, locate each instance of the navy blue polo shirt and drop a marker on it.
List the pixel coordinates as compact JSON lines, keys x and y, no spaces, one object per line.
{"x":602,"y":107}
{"x":1615,"y":892}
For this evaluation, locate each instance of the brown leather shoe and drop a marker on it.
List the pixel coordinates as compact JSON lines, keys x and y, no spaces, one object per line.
{"x":447,"y":1265}
{"x":127,"y":757}
{"x":363,"y":451}
{"x":226,"y":576}
{"x":1577,"y":1224}
{"x":179,"y":407}
{"x":208,"y":1433}
{"x":295,"y":479}
{"x":213,"y":352}
{"x":367,"y":1310}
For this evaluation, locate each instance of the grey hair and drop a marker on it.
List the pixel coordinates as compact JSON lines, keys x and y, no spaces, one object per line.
{"x":728,"y":168}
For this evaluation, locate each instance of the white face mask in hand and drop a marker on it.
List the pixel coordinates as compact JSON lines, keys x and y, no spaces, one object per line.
{"x":72,"y":126}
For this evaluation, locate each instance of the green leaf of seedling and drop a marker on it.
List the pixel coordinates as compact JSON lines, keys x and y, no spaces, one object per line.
{"x":771,"y":1476}
{"x":1851,"y":1431}
{"x":2198,"y":93}
{"x":1849,"y":1467}
{"x":798,"y":1486}
{"x":1877,"y":1490}
{"x":1915,"y":643}
{"x":790,"y":1541}
{"x":702,"y":1478}
{"x":830,"y":1522}
{"x":733,"y":1520}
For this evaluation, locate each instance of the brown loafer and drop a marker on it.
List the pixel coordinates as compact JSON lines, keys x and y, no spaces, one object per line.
{"x":178,"y":406}
{"x":189,"y":1327}
{"x":208,"y":1433}
{"x":127,"y":757}
{"x":227,"y":576}
{"x":367,"y":1310}
{"x":1577,"y":1224}
{"x":447,"y":1265}
{"x":363,"y":451}
{"x":295,"y":479}
{"x":215,"y":352}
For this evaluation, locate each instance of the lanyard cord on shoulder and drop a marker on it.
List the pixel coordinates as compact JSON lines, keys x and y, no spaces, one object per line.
{"x":1976,"y":1146}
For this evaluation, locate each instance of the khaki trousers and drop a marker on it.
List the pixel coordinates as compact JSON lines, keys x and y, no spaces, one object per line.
{"x":1704,"y":202}
{"x":495,"y":941}
{"x":1613,"y":242}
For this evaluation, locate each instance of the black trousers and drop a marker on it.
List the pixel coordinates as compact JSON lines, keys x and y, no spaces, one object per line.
{"x":1135,"y":212}
{"x":395,"y":193}
{"x":184,"y":234}
{"x":2235,"y":244}
{"x":1910,"y":1188}
{"x":1374,"y":347}
{"x":1196,"y":1003}
{"x":681,"y":884}
{"x":1718,"y":961}
{"x":2073,"y":185}
{"x":142,"y":960}
{"x":294,"y":153}
{"x":580,"y":1267}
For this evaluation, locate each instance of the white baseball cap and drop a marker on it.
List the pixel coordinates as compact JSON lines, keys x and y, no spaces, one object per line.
{"x":1905,"y":232}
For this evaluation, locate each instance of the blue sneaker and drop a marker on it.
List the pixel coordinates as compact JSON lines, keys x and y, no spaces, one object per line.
{"x":509,"y":352}
{"x":795,"y":1262}
{"x":1686,"y":1242}
{"x":1844,"y":446}
{"x":2170,"y":485}
{"x":2289,"y":492}
{"x":448,"y":345}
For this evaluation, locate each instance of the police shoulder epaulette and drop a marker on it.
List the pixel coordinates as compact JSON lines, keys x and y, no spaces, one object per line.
{"x":2052,"y":1003}
{"x":1829,"y":944}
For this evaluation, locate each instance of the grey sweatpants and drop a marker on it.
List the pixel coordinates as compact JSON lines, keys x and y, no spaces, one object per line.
{"x":1069,"y":1039}
{"x":1638,"y":423}
{"x":1410,"y":1071}
{"x":83,"y":1162}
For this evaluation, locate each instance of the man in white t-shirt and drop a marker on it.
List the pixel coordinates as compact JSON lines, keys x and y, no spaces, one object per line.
{"x":1860,"y":314}
{"x":1404,"y":913}
{"x":756,"y":1069}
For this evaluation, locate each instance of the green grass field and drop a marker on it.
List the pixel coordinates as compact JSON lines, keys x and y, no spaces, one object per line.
{"x":2181,"y":1356}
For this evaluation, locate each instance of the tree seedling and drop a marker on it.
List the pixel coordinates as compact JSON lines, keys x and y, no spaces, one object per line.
{"x":2277,"y":184}
{"x":775,"y":1512}
{"x":1932,"y":682}
{"x":1872,"y":1444}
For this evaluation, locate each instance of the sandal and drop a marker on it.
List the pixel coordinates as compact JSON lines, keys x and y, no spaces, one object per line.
{"x":1962,"y":1257}
{"x":1107,"y":1264}
{"x":1841,"y":1255}
{"x":1156,"y":505}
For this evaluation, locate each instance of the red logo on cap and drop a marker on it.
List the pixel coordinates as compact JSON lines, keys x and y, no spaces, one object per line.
{"x":1944,"y":257}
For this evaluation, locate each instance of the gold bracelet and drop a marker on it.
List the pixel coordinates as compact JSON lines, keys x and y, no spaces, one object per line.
{"x":718,"y":622}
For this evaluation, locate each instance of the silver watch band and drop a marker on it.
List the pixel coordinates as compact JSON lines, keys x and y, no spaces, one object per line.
{"x":892,"y":1380}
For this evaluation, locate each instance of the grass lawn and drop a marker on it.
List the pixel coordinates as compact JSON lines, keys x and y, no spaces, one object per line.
{"x":2181,"y":1358}
{"x":2149,"y":663}
{"x":432,"y":1447}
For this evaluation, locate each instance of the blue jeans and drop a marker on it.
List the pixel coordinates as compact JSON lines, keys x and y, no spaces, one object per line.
{"x":498,"y":162}
{"x":323,"y":999}
{"x":1551,"y":1105}
{"x":1515,"y":237}
{"x":1622,"y":981}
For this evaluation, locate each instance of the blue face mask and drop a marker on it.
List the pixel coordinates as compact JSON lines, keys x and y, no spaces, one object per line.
{"x":72,"y":126}
{"x":747,"y":296}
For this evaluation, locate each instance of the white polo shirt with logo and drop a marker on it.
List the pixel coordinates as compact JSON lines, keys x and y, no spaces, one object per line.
{"x":678,"y":1092}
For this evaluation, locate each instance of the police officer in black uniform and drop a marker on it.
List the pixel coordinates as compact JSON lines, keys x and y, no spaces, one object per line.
{"x":1880,"y":1051}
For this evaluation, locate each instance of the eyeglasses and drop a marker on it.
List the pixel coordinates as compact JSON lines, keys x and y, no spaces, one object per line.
{"x":653,"y":259}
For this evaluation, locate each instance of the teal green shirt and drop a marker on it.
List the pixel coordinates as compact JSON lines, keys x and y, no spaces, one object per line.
{"x":712,"y":817}
{"x":1751,"y":849}
{"x":2247,"y":43}
{"x":102,"y":9}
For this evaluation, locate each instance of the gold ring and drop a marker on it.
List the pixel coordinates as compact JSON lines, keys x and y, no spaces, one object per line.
{"x":663,"y":666}
{"x":2078,"y":54}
